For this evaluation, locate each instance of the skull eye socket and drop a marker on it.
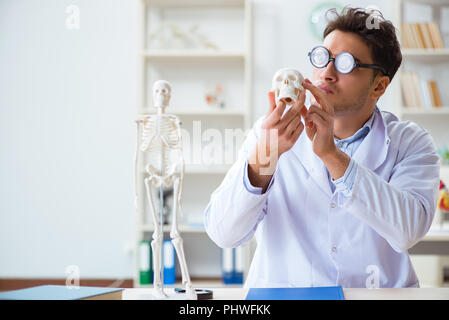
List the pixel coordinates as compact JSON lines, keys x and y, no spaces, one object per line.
{"x":279,"y":79}
{"x":291,"y":77}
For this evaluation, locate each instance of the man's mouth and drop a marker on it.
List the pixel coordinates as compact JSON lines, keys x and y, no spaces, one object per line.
{"x":322,"y":85}
{"x":325,"y":88}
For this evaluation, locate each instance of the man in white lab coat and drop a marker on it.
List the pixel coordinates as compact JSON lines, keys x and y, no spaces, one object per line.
{"x":342,"y":203}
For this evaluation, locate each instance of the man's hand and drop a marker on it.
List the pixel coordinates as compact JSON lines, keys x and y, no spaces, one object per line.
{"x":287,"y":127}
{"x":279,"y":133}
{"x":319,"y":122}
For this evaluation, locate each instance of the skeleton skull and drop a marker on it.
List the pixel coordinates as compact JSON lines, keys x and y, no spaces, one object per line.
{"x":287,"y":86}
{"x":161,"y":93}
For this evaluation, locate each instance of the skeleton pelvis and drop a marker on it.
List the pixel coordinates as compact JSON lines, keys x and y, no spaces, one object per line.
{"x":161,"y":176}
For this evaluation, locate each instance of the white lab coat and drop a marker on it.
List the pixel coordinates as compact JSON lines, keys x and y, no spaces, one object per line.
{"x":308,"y":236}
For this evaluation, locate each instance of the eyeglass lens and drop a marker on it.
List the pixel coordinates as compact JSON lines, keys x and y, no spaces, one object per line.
{"x":344,"y":62}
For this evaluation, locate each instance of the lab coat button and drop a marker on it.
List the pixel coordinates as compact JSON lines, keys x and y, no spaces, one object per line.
{"x":340,"y":144}
{"x":334,"y":249}
{"x":333,"y":205}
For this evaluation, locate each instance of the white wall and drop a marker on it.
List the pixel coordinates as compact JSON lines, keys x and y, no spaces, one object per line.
{"x":67,"y":137}
{"x":67,"y":105}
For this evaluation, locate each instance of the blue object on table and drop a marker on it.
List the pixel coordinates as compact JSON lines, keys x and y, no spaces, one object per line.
{"x":312,"y":293}
{"x":232,"y":265}
{"x":169,"y":262}
{"x":55,"y":292}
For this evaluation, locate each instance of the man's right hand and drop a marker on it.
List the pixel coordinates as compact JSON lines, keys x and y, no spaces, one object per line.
{"x":278,"y":134}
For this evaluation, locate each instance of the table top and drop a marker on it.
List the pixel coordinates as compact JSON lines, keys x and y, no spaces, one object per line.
{"x":349,"y":293}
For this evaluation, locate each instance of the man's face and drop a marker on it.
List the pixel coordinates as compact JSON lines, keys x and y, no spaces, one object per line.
{"x":348,"y":93}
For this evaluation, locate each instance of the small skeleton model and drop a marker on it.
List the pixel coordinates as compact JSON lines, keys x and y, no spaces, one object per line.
{"x":161,"y":142}
{"x":287,"y":86}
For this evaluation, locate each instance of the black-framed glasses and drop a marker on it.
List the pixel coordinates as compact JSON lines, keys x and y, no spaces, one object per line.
{"x":344,"y":62}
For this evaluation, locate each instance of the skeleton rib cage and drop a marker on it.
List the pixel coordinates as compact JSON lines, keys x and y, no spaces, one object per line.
{"x":162,"y":146}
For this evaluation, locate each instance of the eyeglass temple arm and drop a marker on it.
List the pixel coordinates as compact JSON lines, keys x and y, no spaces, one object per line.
{"x":372,"y":66}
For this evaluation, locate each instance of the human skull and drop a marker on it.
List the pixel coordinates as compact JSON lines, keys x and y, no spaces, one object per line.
{"x":161,"y":93}
{"x":287,"y":86}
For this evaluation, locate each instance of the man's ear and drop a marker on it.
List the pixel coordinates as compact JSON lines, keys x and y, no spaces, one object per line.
{"x":380,"y":84}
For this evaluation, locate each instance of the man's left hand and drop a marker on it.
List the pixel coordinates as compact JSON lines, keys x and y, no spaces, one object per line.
{"x":319,"y":120}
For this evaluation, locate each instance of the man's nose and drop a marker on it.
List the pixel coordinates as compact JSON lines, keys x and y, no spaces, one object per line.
{"x":329,"y":73}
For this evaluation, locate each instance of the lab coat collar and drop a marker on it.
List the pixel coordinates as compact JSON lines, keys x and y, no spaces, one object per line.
{"x":371,"y":153}
{"x":373,"y":150}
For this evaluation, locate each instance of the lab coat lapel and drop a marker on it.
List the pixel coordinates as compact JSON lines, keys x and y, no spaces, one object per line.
{"x":372,"y":152}
{"x":311,"y":162}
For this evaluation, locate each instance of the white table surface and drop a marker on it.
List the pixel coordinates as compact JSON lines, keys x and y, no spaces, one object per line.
{"x":349,"y":293}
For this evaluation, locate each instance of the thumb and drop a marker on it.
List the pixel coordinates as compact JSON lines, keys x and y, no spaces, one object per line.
{"x":310,"y":130}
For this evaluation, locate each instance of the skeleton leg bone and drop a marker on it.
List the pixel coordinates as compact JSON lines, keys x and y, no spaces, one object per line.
{"x":156,"y":244}
{"x":178,"y":242}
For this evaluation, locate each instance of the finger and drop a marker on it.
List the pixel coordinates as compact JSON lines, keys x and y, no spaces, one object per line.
{"x":299,"y":104}
{"x":310,"y":130}
{"x":301,"y":99}
{"x":295,"y":110}
{"x":319,"y":95}
{"x":315,"y":109}
{"x":303,"y":112}
{"x":317,"y":120}
{"x":276,"y":114}
{"x":292,"y":125}
{"x":298,"y":131}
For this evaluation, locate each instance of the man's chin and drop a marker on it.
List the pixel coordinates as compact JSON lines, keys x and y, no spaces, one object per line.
{"x":341,"y":110}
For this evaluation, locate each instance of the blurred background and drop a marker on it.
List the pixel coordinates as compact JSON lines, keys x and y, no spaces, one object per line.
{"x":74,"y":77}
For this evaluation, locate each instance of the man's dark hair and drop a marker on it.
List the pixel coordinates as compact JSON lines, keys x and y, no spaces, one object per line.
{"x":379,"y":35}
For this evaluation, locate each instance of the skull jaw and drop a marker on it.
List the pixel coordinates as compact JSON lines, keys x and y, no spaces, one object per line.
{"x":161,"y":101}
{"x":287,"y":94}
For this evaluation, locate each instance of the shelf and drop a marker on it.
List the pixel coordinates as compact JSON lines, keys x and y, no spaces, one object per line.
{"x":207,"y":169}
{"x":436,"y":234}
{"x":426,"y":55}
{"x":203,"y":169}
{"x":192,"y":54}
{"x":181,"y":228}
{"x":196,"y":3}
{"x":198,"y":111}
{"x":425,"y":111}
{"x":425,"y":52}
{"x":430,"y":2}
{"x":444,"y":174}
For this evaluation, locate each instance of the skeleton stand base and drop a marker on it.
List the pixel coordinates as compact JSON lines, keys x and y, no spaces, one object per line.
{"x":170,"y":294}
